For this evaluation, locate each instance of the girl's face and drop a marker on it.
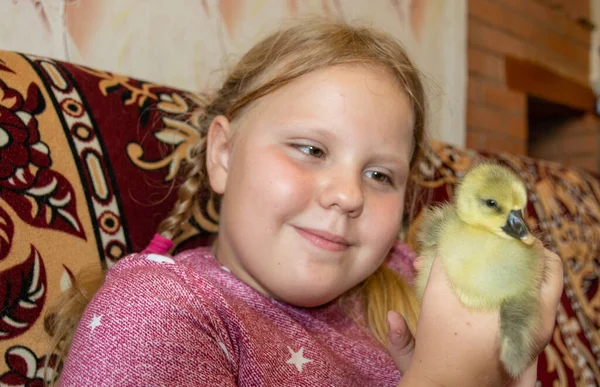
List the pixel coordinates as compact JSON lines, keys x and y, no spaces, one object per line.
{"x":313,"y":178}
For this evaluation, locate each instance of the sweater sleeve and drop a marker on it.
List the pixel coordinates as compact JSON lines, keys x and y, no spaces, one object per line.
{"x":146,"y":327}
{"x":401,"y":260}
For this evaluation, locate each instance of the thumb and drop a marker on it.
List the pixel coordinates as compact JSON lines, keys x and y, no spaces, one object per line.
{"x":418,"y":263}
{"x":400,"y":342}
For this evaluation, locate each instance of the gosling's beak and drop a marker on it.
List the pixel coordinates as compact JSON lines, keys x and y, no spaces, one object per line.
{"x":515,"y":227}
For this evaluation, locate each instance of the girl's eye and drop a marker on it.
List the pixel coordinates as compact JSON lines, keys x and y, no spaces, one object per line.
{"x":311,"y":150}
{"x":379,"y":177}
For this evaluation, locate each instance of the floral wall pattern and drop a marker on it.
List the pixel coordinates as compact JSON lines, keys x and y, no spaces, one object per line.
{"x":190,"y":43}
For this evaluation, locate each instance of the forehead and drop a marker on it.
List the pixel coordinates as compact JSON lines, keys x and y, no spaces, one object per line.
{"x":344,"y":99}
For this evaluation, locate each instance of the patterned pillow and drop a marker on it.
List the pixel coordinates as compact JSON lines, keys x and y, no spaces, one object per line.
{"x":87,"y":165}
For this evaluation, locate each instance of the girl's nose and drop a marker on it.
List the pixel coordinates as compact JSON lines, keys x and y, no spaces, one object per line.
{"x":344,"y":193}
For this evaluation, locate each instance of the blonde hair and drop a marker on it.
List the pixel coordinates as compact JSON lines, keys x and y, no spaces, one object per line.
{"x":277,"y":60}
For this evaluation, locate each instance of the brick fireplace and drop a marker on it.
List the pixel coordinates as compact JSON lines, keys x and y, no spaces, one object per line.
{"x":528,"y":82}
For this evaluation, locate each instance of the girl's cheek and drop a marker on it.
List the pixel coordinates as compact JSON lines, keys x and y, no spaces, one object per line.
{"x":385,"y":215}
{"x":285,"y":183}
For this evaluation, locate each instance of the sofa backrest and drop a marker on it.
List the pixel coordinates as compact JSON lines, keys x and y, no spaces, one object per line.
{"x":87,"y":168}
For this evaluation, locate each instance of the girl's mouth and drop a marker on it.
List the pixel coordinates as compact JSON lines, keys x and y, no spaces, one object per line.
{"x":324,"y":239}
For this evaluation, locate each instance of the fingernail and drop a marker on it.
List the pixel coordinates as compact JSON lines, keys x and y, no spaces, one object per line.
{"x":395,"y":337}
{"x":418,"y":264}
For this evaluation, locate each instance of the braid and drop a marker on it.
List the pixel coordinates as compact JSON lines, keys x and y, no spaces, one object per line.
{"x":188,"y":197}
{"x":195,"y":192}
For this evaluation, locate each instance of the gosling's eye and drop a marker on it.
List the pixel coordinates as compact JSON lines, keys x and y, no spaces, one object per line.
{"x":491,"y":203}
{"x":311,"y":150}
{"x":379,"y":177}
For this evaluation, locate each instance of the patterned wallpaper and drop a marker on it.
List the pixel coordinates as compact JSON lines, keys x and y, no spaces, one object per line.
{"x":189,"y":43}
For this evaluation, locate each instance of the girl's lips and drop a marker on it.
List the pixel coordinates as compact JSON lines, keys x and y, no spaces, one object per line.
{"x":324,"y":240}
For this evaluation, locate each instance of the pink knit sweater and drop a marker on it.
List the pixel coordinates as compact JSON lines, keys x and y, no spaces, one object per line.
{"x":187,"y":321}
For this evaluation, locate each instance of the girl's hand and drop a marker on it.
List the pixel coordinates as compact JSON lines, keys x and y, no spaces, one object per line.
{"x":400,"y":341}
{"x":458,"y":347}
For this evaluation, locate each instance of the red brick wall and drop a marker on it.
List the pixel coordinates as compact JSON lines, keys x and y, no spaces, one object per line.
{"x":548,"y":32}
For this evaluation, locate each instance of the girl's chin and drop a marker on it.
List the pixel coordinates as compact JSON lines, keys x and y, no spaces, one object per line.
{"x":308,"y":298}
{"x":307,"y":303}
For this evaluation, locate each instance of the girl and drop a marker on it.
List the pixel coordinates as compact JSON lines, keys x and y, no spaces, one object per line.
{"x":307,"y":148}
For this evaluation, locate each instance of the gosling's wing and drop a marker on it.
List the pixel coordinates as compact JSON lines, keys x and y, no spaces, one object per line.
{"x":434,"y":219}
{"x":518,"y":320}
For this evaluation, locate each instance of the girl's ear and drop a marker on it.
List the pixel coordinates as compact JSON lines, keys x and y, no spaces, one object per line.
{"x":218,"y":148}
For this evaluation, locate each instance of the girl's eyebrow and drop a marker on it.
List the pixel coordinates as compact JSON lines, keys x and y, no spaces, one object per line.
{"x":396,"y":158}
{"x":309,"y":126}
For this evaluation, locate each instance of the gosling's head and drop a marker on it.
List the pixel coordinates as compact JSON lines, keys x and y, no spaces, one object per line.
{"x":492,"y":197}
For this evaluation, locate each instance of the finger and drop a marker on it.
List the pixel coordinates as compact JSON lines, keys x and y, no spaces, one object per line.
{"x":541,"y":249}
{"x":437,"y":276}
{"x":551,"y":291}
{"x":400,"y":342}
{"x":552,"y":281}
{"x":418,"y":263}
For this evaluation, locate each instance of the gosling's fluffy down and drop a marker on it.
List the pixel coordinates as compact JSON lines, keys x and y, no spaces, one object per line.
{"x":488,"y":256}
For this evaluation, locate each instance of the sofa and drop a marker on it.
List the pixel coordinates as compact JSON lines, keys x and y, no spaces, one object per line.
{"x":88,"y":163}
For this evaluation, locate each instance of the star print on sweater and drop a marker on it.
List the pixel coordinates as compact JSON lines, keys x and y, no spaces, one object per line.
{"x":95,"y":322}
{"x":185,"y":321}
{"x":298,"y":358}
